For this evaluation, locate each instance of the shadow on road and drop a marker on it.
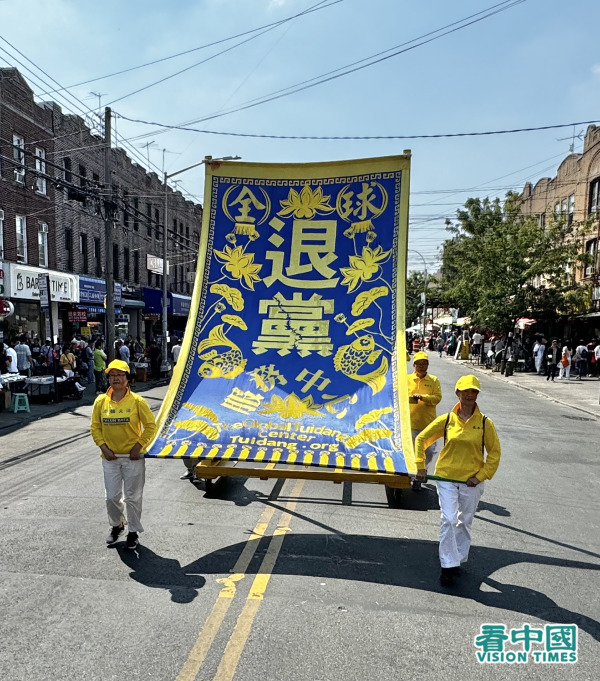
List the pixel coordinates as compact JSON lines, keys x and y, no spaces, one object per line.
{"x":156,"y":572}
{"x":412,"y":564}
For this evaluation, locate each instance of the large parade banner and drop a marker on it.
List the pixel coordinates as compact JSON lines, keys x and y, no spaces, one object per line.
{"x":294,"y":351}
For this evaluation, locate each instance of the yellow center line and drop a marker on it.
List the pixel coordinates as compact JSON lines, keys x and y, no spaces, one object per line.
{"x":239,"y":637}
{"x":215,"y":619}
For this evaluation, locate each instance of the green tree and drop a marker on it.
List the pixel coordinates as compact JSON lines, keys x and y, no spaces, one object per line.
{"x":500,"y":265}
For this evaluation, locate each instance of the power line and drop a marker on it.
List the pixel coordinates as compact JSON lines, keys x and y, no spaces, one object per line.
{"x":375,"y":59}
{"x":217,"y":54}
{"x":274,"y":24}
{"x":358,"y":137}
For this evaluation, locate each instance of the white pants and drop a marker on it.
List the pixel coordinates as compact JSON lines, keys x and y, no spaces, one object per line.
{"x":458,"y":504}
{"x":124,"y":483}
{"x":564,"y":372}
{"x":429,"y":452}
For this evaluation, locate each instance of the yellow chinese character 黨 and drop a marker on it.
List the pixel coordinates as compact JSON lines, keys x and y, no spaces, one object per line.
{"x":295,"y":323}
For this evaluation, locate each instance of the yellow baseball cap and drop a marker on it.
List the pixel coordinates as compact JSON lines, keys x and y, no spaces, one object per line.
{"x":468,"y":382}
{"x":420,"y":355}
{"x":117,"y":364}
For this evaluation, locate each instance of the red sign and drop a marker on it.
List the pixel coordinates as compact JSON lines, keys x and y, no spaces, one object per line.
{"x":6,"y":308}
{"x":78,"y":316}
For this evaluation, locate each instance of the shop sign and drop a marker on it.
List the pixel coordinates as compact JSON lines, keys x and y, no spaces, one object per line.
{"x":93,"y":290}
{"x":151,"y":316}
{"x":43,"y":284}
{"x":6,"y":308}
{"x":77,"y":316}
{"x":1,"y":281}
{"x":24,"y":284}
{"x":122,"y":319}
{"x":155,"y":264}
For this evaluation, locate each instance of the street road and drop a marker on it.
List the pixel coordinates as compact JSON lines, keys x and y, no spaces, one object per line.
{"x":296,"y":581}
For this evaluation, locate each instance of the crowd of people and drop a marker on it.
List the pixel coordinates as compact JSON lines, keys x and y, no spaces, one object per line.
{"x":563,"y":359}
{"x":83,"y":361}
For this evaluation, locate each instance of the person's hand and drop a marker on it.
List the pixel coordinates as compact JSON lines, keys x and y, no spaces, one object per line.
{"x":473,"y":482}
{"x":108,"y":453}
{"x":421,"y":474}
{"x":135,"y":453}
{"x":417,"y":396}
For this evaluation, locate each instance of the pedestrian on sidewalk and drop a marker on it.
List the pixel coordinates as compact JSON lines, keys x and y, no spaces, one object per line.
{"x":122,"y":426}
{"x":581,"y":360}
{"x":468,"y":434}
{"x":597,"y":358}
{"x":565,"y":363}
{"x":539,"y":351}
{"x":553,"y":358}
{"x":424,"y":393}
{"x":99,"y":366}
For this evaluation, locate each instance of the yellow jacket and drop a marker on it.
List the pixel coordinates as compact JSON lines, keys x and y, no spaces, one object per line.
{"x":423,"y":412}
{"x":120,"y":425}
{"x":462,"y":454}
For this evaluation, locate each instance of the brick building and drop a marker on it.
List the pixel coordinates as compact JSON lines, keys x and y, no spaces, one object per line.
{"x":574,"y":194}
{"x":53,"y":202}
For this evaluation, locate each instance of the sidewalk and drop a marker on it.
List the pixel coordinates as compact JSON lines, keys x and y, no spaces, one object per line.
{"x":10,"y":421}
{"x":582,"y":395}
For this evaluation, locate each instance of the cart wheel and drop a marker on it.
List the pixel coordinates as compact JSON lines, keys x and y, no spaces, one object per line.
{"x":394,"y":496}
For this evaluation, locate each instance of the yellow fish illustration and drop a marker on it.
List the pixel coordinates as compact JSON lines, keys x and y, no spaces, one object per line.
{"x":350,"y":358}
{"x":225,"y":364}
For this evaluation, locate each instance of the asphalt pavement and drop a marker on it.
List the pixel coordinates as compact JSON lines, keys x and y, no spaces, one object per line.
{"x":265,"y":580}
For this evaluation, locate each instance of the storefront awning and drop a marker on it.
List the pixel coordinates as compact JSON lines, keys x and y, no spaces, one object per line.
{"x":525,"y":321}
{"x":129,"y":302}
{"x":177,"y":303}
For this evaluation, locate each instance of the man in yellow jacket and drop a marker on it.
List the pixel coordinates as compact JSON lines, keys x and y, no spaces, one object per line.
{"x":424,"y":393}
{"x":122,"y":426}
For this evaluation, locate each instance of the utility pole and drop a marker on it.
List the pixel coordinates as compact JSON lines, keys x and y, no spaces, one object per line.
{"x":108,"y":239}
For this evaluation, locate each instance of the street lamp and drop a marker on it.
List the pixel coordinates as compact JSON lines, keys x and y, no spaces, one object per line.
{"x":412,"y":250}
{"x":167,"y":176}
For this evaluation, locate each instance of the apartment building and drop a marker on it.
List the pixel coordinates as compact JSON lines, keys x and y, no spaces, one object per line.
{"x":54,"y":204}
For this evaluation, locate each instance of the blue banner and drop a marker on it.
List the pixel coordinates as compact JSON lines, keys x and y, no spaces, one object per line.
{"x":294,"y":349}
{"x":93,"y":290}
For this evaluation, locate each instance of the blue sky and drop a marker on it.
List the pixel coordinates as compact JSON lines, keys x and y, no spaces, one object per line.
{"x":537,"y":63}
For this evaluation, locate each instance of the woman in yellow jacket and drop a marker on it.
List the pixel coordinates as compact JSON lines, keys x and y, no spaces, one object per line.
{"x":122,"y":426}
{"x":467,"y":434}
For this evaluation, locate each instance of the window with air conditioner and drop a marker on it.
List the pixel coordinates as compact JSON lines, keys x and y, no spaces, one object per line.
{"x":591,"y":247}
{"x":21,"y":232}
{"x":43,"y":244}
{"x":40,"y":167}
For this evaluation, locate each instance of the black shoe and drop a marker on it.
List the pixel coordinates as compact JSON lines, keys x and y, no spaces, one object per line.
{"x":132,"y":541}
{"x":448,"y":576}
{"x":189,"y":475}
{"x":114,"y":534}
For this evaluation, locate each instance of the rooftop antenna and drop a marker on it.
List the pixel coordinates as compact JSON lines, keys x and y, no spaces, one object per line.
{"x":574,"y":136}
